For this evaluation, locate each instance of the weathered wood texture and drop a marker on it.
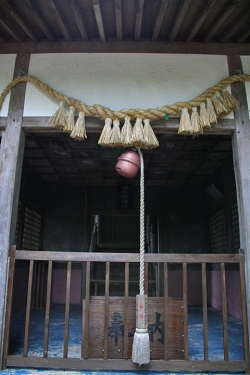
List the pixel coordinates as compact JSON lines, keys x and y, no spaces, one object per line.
{"x":241,"y":157}
{"x":95,"y":125}
{"x":10,"y":176}
{"x":126,"y":365}
{"x":126,"y":47}
{"x":115,"y":336}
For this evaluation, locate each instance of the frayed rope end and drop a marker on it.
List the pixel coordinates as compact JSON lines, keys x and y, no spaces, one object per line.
{"x":141,"y":347}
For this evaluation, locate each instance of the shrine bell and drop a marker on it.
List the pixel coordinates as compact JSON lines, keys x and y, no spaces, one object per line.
{"x":128,"y":164}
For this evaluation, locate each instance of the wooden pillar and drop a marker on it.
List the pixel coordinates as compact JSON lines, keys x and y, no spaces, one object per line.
{"x":241,"y":156}
{"x":10,"y":178}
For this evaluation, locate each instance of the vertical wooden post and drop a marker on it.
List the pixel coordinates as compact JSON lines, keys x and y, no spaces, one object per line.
{"x":10,"y":178}
{"x":241,"y":156}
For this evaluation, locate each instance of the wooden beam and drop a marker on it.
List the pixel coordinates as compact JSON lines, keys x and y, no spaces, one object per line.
{"x":95,"y":125}
{"x":186,"y":4}
{"x":159,"y":19}
{"x":79,"y":20}
{"x":10,"y":178}
{"x":18,"y":20}
{"x":138,"y":19}
{"x":233,"y":28}
{"x":34,"y":14}
{"x":244,"y":37}
{"x":222,"y":16}
{"x":241,"y":158}
{"x":126,"y":47}
{"x":59,"y":20}
{"x":199,"y":20}
{"x":11,"y":31}
{"x":118,"y":19}
{"x":99,"y":20}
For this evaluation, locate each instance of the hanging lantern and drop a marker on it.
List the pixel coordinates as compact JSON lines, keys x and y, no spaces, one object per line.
{"x":128,"y":164}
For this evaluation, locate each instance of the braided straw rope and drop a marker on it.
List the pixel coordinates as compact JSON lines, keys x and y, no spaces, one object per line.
{"x":142,"y":227}
{"x":104,"y":112}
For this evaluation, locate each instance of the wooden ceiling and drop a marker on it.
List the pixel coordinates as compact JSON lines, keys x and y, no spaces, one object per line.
{"x":177,"y":26}
{"x":180,"y":160}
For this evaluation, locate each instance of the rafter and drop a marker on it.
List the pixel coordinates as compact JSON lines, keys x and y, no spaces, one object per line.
{"x":35,"y":15}
{"x":220,"y":19}
{"x":159,"y":19}
{"x":118,"y":19}
{"x":244,"y":37}
{"x":11,"y":32}
{"x":79,"y":20}
{"x":99,"y":20}
{"x":200,"y":19}
{"x":233,"y":28}
{"x":18,"y":20}
{"x":138,"y":19}
{"x":179,"y":19}
{"x":60,"y":22}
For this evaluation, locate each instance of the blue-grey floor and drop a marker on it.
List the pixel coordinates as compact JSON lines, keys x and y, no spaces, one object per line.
{"x":56,"y":332}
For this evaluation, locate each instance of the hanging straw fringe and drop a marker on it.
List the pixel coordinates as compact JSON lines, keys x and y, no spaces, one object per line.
{"x":211,"y":112}
{"x":104,"y":139}
{"x":59,"y":118}
{"x":195,"y":122}
{"x":204,"y":118}
{"x":138,"y":136}
{"x":185,"y":127}
{"x":150,"y":139}
{"x":79,"y":131}
{"x":231,"y":102}
{"x":220,"y":105}
{"x":127,"y":133}
{"x":70,"y":123}
{"x":115,"y":136}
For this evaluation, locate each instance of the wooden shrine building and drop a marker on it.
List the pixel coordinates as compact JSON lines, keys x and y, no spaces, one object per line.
{"x":69,"y":223}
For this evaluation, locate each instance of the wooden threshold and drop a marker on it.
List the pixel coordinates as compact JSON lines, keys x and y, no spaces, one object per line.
{"x":125,"y":365}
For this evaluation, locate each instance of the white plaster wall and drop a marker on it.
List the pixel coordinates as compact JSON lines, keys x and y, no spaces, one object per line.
{"x":246,"y":70}
{"x":122,"y":80}
{"x":7,"y":63}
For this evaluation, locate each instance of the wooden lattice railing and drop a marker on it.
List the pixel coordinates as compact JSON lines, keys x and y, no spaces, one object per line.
{"x":107,"y":361}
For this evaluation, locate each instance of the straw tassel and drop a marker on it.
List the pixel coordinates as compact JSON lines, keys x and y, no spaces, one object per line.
{"x":138,"y":136}
{"x":79,"y":131}
{"x":115,"y":136}
{"x":204,"y":118}
{"x":59,"y":118}
{"x":185,"y":127}
{"x":211,"y":112}
{"x":231,"y":102}
{"x":70,"y":122}
{"x":220,"y":105}
{"x":127,"y":133}
{"x":149,"y":136}
{"x":104,"y":139}
{"x":195,"y":122}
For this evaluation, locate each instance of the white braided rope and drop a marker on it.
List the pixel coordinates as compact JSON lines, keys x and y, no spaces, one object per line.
{"x":142,"y":226}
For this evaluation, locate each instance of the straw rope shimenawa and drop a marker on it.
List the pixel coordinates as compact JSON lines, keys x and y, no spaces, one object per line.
{"x":104,"y":112}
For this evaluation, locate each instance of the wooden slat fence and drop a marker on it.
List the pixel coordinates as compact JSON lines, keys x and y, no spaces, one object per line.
{"x":85,"y":362}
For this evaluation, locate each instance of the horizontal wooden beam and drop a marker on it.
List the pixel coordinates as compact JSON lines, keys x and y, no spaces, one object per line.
{"x":95,"y":125}
{"x":126,"y":47}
